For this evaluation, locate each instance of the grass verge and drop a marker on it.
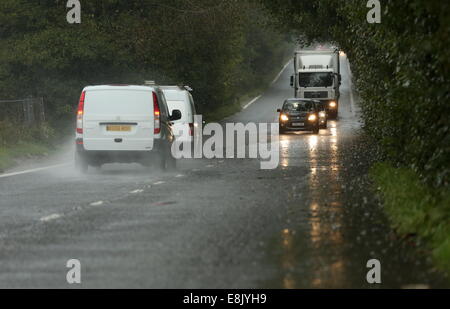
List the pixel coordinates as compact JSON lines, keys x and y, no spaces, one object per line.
{"x":416,"y":209}
{"x":10,"y":155}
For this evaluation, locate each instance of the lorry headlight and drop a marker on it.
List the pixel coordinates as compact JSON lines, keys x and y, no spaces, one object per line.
{"x":284,"y":117}
{"x":333,"y":104}
{"x":312,"y":117}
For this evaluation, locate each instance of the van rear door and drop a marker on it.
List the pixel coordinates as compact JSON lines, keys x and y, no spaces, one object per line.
{"x":118,"y":120}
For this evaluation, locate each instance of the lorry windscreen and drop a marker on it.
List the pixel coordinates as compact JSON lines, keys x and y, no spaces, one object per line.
{"x":324,"y":79}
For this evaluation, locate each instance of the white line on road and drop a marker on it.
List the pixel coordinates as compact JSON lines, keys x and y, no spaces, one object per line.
{"x":34,"y":170}
{"x":50,"y":218}
{"x":99,"y":203}
{"x":279,"y":74}
{"x":159,"y":183}
{"x":251,"y":102}
{"x":137,"y":191}
{"x":274,"y":81}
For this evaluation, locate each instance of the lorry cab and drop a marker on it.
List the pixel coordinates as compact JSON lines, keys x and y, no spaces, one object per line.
{"x":317,"y":76}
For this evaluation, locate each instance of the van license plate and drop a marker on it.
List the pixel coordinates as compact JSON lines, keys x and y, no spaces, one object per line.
{"x":118,"y":128}
{"x":298,"y":124}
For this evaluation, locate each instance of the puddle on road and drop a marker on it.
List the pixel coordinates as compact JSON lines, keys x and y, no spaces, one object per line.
{"x":336,"y":225}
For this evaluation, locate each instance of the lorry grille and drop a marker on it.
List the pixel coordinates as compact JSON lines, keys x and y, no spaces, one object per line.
{"x":316,"y":95}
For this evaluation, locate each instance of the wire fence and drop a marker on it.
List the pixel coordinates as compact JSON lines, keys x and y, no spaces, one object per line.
{"x":27,"y":112}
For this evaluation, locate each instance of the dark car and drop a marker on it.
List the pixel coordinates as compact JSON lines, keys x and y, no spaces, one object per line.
{"x":299,"y":115}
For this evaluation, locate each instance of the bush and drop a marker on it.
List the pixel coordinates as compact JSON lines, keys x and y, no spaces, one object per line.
{"x":222,"y":49}
{"x":12,"y":133}
{"x":416,"y":209}
{"x":401,"y":69}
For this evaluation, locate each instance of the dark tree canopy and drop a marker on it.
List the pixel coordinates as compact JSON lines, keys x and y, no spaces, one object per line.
{"x":401,"y":68}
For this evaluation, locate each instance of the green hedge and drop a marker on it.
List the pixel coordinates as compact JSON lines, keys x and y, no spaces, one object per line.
{"x":401,"y":69}
{"x":416,"y":209}
{"x":222,"y":49}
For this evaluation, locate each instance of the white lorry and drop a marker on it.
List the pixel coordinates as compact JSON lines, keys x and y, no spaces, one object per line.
{"x":318,"y":76}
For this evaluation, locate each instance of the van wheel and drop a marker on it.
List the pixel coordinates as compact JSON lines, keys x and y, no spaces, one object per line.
{"x":97,"y":167}
{"x":316,"y":130}
{"x":171,"y":163}
{"x":81,"y":164}
{"x":159,"y":161}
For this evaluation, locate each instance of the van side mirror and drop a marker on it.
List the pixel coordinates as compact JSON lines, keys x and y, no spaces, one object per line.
{"x":292,"y":80}
{"x":176,"y":115}
{"x":279,"y":110}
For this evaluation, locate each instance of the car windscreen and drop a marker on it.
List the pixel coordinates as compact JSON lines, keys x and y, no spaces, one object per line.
{"x":298,"y":106}
{"x":324,"y":79}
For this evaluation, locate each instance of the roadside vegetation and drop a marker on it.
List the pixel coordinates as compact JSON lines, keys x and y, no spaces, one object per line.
{"x":416,"y":209}
{"x":402,"y":72}
{"x":18,"y":141}
{"x":224,"y":50}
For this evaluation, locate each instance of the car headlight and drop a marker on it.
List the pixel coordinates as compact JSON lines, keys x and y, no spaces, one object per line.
{"x":312,"y":117}
{"x":284,"y":117}
{"x":333,"y":104}
{"x":322,"y":115}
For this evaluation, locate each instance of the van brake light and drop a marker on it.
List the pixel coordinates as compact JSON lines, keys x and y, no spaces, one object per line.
{"x":80,"y":112}
{"x":157,"y":114}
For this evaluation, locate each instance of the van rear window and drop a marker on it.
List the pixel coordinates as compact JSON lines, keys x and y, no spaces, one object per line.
{"x":118,"y":102}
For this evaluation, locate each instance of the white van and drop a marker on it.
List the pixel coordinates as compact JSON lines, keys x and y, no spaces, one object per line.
{"x":124,"y":124}
{"x":180,"y":99}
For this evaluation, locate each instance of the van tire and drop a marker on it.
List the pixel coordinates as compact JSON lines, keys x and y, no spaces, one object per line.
{"x":159,"y":161}
{"x":80,"y":164}
{"x":171,"y":163}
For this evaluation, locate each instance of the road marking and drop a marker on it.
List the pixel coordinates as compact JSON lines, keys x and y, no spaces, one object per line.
{"x":251,"y":102}
{"x":137,"y":191}
{"x":99,"y":203}
{"x":50,"y":218}
{"x":34,"y":170}
{"x":279,"y":74}
{"x":179,"y":176}
{"x":159,"y":183}
{"x":274,"y":81}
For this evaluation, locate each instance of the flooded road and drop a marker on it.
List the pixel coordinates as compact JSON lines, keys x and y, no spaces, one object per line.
{"x":311,"y":223}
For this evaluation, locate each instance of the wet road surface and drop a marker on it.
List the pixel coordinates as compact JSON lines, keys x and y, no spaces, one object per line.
{"x":311,"y":223}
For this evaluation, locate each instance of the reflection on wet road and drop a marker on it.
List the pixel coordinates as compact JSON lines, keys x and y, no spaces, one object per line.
{"x":311,"y":223}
